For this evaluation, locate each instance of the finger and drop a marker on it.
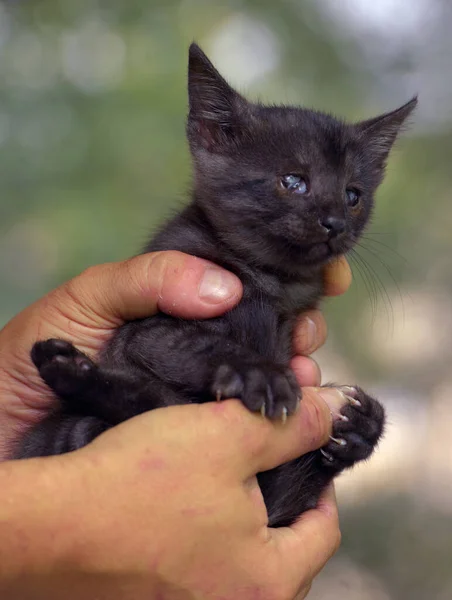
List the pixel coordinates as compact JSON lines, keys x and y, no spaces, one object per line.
{"x":306,"y":371}
{"x":308,"y":544}
{"x":310,"y":332}
{"x":338,"y":277}
{"x":254,"y":443}
{"x":176,"y":283}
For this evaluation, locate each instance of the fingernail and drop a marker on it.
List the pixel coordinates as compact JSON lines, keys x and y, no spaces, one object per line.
{"x":217,"y":286}
{"x":333,"y":398}
{"x":307,"y":333}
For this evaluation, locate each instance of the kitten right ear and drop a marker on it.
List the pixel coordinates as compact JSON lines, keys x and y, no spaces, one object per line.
{"x":380,"y":133}
{"x":215,"y":108}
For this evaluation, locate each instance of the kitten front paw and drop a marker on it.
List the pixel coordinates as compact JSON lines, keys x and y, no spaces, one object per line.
{"x":356,"y":431}
{"x":65,"y":369}
{"x":267,"y":389}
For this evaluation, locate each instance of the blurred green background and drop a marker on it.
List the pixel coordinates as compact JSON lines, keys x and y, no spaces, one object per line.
{"x":93,"y":156}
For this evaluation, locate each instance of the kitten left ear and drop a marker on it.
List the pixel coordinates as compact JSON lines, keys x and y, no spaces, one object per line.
{"x":380,"y":133}
{"x":215,"y":108}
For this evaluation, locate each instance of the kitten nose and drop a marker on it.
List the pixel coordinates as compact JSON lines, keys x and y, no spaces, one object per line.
{"x":333,"y":225}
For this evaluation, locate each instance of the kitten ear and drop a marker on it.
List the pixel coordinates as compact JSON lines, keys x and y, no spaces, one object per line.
{"x":215,"y":108}
{"x":379,"y":133}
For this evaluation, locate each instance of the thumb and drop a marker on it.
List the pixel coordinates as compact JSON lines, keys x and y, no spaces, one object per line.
{"x":268,"y":444}
{"x":173,"y":282}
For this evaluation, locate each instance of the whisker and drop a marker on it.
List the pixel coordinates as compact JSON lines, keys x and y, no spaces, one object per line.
{"x":369,"y":239}
{"x":367,"y":280}
{"x":391,"y":275}
{"x":384,"y":265}
{"x":378,"y":233}
{"x":381,"y":285}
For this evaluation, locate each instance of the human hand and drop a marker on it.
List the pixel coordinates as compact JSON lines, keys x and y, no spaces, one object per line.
{"x":74,"y":490}
{"x":167,"y":505}
{"x":87,"y":309}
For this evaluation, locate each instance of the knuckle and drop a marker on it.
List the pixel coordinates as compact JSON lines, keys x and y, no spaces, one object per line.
{"x":73,"y":286}
{"x":145,"y":274}
{"x":163,"y":268}
{"x":136,"y":273}
{"x":82,"y":289}
{"x":75,"y":289}
{"x":88,"y":273}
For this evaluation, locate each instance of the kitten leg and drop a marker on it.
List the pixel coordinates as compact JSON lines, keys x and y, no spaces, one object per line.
{"x":58,"y":434}
{"x":210,"y":366}
{"x":86,"y":389}
{"x":293,"y":488}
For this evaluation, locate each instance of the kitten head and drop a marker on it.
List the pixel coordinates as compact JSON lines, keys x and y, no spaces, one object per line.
{"x":287,"y":187}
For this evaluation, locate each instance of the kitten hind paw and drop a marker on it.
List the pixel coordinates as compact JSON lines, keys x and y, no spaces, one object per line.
{"x":356,"y":430}
{"x":65,"y":369}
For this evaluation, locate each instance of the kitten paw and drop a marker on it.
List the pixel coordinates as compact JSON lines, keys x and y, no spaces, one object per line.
{"x":65,"y":369}
{"x":272,"y":391}
{"x":356,"y":430}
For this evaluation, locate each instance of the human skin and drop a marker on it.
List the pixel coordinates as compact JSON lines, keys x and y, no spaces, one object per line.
{"x":124,"y":517}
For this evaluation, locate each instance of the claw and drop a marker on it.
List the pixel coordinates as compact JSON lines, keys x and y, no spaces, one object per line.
{"x":343,"y":417}
{"x":284,"y":415}
{"x":349,"y":389}
{"x":218,"y":395}
{"x":263,"y":408}
{"x":328,"y":456}
{"x":353,"y":401}
{"x":339,"y":441}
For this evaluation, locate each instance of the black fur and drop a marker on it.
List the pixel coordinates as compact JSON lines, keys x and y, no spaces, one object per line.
{"x":277,"y":239}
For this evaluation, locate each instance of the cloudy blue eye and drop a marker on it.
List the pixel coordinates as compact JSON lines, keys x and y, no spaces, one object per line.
{"x":294,"y":183}
{"x":352,"y":197}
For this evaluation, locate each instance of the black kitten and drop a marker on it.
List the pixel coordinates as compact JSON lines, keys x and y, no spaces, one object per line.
{"x":278,"y":192}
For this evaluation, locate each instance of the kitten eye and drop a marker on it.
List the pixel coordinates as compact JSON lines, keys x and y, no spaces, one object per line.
{"x":353,"y":197}
{"x":295,"y":183}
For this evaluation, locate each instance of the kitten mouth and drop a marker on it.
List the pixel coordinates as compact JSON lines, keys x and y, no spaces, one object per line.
{"x":318,"y":252}
{"x":321,"y":252}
